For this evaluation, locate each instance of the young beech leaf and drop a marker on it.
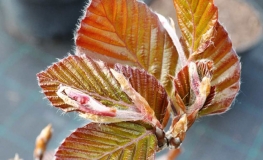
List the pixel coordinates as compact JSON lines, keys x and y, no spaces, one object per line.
{"x":124,"y":140}
{"x":226,"y":72}
{"x":196,"y":19}
{"x":149,"y":88}
{"x":140,"y":102}
{"x":192,"y":89}
{"x":170,"y":28}
{"x":79,"y":83}
{"x":127,"y":32}
{"x":218,"y":68}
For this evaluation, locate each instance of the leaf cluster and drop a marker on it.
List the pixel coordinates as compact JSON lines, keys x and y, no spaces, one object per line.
{"x":131,"y":72}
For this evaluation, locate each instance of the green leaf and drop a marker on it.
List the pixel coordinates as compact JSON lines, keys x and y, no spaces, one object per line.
{"x":197,"y":19}
{"x":127,"y":32}
{"x":125,"y":140}
{"x":149,"y":88}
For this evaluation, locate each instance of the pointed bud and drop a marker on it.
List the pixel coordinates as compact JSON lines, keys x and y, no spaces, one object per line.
{"x":42,"y":141}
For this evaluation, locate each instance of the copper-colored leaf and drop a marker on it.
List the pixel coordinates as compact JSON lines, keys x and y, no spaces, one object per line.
{"x":101,"y":94}
{"x":226,"y":74}
{"x":149,"y":88}
{"x":127,"y":32}
{"x":140,"y":102}
{"x":192,"y":89}
{"x":80,"y":80}
{"x":196,"y":19}
{"x":116,"y":141}
{"x":187,"y":83}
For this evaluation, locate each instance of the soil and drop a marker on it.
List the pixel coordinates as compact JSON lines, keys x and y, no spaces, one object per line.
{"x":241,"y":20}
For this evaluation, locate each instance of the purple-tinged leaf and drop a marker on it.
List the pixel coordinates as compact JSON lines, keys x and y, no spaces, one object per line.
{"x":149,"y":88}
{"x":99,"y":93}
{"x":226,"y":72}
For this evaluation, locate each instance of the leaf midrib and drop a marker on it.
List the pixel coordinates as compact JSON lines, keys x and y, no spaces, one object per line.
{"x":130,"y":51}
{"x":147,"y":133}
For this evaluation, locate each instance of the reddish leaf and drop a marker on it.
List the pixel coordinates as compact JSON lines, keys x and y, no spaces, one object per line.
{"x":87,"y":86}
{"x":149,"y":88}
{"x":192,"y":89}
{"x":226,"y":74}
{"x":127,"y":32}
{"x":102,"y":94}
{"x":188,"y":87}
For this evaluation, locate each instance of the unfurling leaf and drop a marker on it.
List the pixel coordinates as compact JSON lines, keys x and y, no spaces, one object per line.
{"x":99,"y":93}
{"x":150,"y":89}
{"x":140,"y":102}
{"x":226,"y":72}
{"x":192,"y":87}
{"x":125,"y":140}
{"x":206,"y":44}
{"x":75,"y":82}
{"x":42,"y":141}
{"x":196,"y":19}
{"x":127,"y":32}
{"x":130,"y":105}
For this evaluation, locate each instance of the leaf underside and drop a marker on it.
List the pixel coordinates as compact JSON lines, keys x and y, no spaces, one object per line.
{"x":196,"y":19}
{"x":125,"y":140}
{"x":127,"y":32}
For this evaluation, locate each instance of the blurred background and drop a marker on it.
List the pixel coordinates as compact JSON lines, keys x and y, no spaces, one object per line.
{"x":34,"y":33}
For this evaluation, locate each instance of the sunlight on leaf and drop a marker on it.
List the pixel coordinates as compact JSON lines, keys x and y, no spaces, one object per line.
{"x":196,"y":19}
{"x":75,"y":82}
{"x":123,"y":140}
{"x":115,"y":32}
{"x":101,"y":94}
{"x":131,"y":71}
{"x":226,"y":76}
{"x":220,"y":63}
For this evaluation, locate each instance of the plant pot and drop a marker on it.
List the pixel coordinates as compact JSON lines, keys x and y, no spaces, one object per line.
{"x":41,"y":19}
